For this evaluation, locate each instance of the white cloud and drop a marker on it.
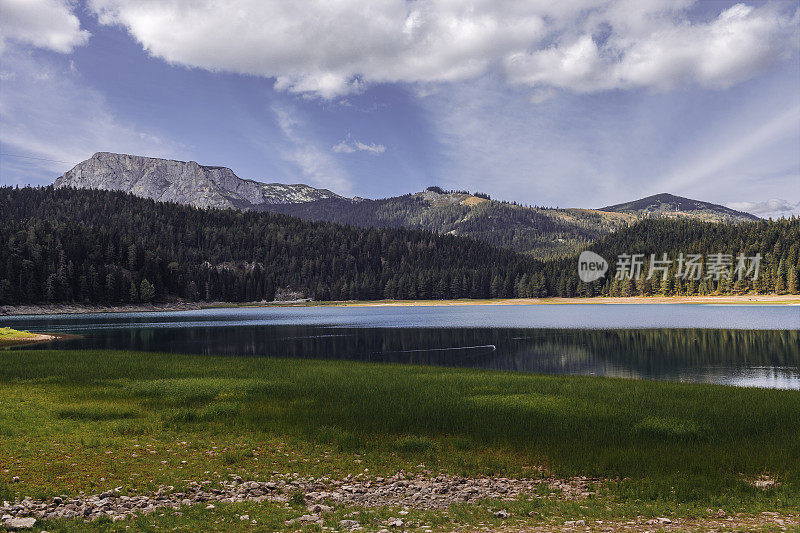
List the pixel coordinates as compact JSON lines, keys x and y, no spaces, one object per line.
{"x":772,"y":208}
{"x":329,"y":49}
{"x":348,"y":146}
{"x":603,"y":149}
{"x":42,"y":23}
{"x":731,"y":48}
{"x":316,"y":166}
{"x":47,"y":112}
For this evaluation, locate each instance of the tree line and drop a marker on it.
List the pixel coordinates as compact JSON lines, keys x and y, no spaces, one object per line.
{"x":106,"y":247}
{"x":66,"y":245}
{"x":776,"y":242}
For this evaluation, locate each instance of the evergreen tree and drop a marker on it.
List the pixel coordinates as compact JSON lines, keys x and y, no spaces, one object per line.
{"x":146,"y":291}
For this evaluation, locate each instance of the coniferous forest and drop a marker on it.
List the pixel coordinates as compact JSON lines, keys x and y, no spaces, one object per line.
{"x":102,"y":247}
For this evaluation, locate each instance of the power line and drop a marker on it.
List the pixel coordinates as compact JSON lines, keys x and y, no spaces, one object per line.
{"x":37,"y":158}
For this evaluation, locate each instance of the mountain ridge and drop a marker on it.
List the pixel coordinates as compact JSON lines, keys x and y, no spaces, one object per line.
{"x":184,"y":182}
{"x":542,"y":232}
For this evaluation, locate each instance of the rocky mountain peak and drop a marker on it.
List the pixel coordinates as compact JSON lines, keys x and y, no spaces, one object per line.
{"x":183,"y":182}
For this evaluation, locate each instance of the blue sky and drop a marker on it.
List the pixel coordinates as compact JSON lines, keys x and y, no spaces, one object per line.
{"x":579,"y":104}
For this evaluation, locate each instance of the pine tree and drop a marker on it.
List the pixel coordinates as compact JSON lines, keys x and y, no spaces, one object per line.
{"x":146,"y":291}
{"x":792,"y":283}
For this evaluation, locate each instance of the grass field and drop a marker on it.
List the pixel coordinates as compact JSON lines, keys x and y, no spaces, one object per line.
{"x":88,"y":421}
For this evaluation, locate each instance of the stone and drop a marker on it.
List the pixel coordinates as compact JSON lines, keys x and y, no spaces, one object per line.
{"x":306,"y":518}
{"x":395,"y":522}
{"x":575,"y":523}
{"x":182,"y":182}
{"x":502,"y":513}
{"x":318,"y":508}
{"x":15,"y":524}
{"x":349,"y":524}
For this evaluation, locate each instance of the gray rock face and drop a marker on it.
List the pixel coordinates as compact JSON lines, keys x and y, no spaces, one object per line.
{"x":182,"y":182}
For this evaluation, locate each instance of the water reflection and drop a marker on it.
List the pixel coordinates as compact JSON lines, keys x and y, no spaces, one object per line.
{"x":766,"y":358}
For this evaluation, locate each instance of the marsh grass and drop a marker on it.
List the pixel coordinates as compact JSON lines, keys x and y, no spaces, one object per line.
{"x":96,"y":412}
{"x":133,"y":418}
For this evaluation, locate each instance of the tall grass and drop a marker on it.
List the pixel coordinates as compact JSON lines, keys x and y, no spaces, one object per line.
{"x":687,"y":442}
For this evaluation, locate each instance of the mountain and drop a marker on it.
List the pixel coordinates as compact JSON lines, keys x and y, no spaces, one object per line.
{"x":182,"y":182}
{"x":543,"y":232}
{"x":68,"y":245}
{"x":669,"y":205}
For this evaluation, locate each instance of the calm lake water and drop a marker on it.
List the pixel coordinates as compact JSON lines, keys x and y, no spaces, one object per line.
{"x":735,"y":345}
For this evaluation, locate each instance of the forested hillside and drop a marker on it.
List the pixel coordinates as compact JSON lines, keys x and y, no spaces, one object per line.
{"x":63,"y":245}
{"x":66,"y":245}
{"x":543,"y":232}
{"x":776,"y":242}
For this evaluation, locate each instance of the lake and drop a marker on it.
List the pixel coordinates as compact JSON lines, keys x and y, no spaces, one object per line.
{"x":747,"y":345}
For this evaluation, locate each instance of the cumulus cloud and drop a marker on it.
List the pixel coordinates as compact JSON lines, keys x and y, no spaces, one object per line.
{"x":772,"y":208}
{"x":733,"y":47}
{"x":42,"y":23}
{"x":348,"y":146}
{"x":330,"y":49}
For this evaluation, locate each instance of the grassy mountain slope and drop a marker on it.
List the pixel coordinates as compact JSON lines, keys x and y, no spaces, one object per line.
{"x":545,"y":233}
{"x":669,"y":205}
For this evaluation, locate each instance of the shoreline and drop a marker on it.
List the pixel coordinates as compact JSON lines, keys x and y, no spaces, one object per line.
{"x":749,"y":299}
{"x":33,"y":338}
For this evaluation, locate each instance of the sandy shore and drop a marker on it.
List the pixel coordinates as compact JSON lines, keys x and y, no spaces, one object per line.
{"x":765,"y":299}
{"x":770,"y":299}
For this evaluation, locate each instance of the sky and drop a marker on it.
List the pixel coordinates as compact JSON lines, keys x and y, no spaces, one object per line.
{"x":578,"y":103}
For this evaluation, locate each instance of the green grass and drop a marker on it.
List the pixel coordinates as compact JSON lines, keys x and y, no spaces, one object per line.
{"x":92,"y":420}
{"x":9,"y":334}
